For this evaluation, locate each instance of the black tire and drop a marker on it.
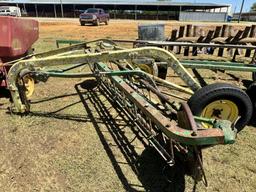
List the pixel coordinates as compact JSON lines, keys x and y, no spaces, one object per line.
{"x":82,"y":23}
{"x":223,"y":91}
{"x":97,"y":22}
{"x":254,"y":76}
{"x":251,"y":90}
{"x":107,"y":22}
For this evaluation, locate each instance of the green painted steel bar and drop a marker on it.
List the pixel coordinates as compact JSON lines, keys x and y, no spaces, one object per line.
{"x":224,"y":125}
{"x":90,"y":74}
{"x":216,"y":62}
{"x":205,"y":120}
{"x":68,"y":68}
{"x":190,"y":44}
{"x":56,"y":52}
{"x":220,"y":67}
{"x":70,"y":42}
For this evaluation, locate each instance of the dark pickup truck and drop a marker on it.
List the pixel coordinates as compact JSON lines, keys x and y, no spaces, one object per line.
{"x":94,"y":16}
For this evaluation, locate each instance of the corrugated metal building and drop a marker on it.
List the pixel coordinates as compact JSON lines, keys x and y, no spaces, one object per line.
{"x":249,"y":16}
{"x":124,"y":9}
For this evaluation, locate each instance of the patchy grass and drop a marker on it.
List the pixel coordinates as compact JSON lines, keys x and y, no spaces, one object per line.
{"x":76,"y":140}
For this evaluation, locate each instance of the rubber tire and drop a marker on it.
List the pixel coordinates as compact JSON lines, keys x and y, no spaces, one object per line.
{"x":82,"y":23}
{"x":107,"y":22}
{"x":251,"y":90}
{"x":217,"y":91}
{"x":254,"y":76}
{"x":97,"y":22}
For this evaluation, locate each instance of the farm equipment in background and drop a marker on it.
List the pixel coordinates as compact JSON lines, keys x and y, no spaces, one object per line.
{"x":204,"y":49}
{"x":17,"y":36}
{"x":168,"y":124}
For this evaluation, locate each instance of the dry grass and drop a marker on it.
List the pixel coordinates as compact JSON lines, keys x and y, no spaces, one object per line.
{"x":75,"y":140}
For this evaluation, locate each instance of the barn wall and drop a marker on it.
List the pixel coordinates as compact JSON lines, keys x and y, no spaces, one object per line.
{"x":202,"y":16}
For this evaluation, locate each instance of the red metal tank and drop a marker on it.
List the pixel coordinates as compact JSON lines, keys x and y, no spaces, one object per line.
{"x":16,"y":36}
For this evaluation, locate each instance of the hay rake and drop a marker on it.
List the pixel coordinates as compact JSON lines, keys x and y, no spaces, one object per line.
{"x":169,"y":126}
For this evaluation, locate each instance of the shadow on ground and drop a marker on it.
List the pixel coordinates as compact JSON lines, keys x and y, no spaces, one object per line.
{"x":148,"y":166}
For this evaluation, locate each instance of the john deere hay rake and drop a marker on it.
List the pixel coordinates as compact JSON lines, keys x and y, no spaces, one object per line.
{"x":169,"y":126}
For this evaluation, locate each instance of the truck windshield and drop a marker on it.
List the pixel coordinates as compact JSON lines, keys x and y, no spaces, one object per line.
{"x":91,"y":11}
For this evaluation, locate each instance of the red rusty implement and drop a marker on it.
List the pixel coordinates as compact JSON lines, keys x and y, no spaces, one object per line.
{"x":16,"y":36}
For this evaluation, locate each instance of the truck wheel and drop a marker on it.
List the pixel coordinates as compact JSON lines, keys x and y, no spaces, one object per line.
{"x":222,"y":101}
{"x":97,"y":22}
{"x":82,"y":23}
{"x":107,"y":22}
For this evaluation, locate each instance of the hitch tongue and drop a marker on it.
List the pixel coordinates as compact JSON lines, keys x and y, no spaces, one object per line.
{"x":228,"y":129}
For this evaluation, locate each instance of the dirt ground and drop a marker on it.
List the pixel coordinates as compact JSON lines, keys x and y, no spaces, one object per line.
{"x":75,"y":139}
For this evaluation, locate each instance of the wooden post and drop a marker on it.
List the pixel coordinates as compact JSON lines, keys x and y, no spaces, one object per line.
{"x":224,"y":33}
{"x":181,"y":34}
{"x":217,"y":32}
{"x":189,"y":31}
{"x":246,"y":32}
{"x":181,"y":31}
{"x":253,"y":31}
{"x":188,"y":34}
{"x":252,"y":34}
{"x":173,"y":38}
{"x":194,"y":49}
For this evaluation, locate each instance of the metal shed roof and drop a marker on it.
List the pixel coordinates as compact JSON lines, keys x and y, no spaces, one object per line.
{"x":119,"y":2}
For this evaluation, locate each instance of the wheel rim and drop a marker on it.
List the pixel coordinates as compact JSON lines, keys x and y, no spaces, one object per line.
{"x":220,"y":109}
{"x":147,"y":69}
{"x":29,"y":85}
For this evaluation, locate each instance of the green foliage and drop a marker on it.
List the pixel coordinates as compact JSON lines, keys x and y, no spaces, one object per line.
{"x":253,"y":7}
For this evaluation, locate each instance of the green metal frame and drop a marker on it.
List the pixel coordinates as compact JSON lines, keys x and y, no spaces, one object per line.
{"x":175,"y":122}
{"x":35,"y":64}
{"x":69,"y":42}
{"x":115,"y":54}
{"x":218,"y":65}
{"x":168,"y":127}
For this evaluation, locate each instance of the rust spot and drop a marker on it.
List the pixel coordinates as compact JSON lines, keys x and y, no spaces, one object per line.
{"x":16,"y":44}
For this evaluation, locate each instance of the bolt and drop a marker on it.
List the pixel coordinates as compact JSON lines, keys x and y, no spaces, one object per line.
{"x":193,"y":133}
